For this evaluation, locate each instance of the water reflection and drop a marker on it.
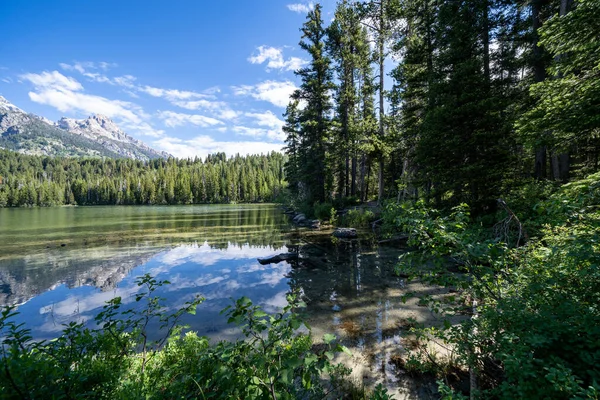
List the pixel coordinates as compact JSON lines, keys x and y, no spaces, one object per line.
{"x":218,"y":274}
{"x":41,"y":249}
{"x":349,"y":286}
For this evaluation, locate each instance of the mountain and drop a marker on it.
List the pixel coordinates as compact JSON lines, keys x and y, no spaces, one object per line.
{"x":96,"y":136}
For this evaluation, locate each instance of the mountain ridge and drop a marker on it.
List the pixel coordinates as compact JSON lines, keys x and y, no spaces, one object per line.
{"x":95,"y":136}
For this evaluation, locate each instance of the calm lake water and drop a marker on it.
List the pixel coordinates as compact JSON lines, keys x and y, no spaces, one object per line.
{"x":63,"y":264}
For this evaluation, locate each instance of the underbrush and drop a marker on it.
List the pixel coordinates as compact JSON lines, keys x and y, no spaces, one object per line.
{"x":534,"y":299}
{"x":357,"y":218}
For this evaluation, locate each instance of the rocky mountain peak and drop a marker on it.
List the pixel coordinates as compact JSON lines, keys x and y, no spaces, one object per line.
{"x":8,"y":106}
{"x":95,"y":135}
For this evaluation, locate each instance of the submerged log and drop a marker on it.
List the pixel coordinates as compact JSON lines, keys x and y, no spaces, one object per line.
{"x":396,"y":239}
{"x":345,"y":233}
{"x":277,"y":258}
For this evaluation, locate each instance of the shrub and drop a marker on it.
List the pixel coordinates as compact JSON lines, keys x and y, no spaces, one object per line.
{"x":117,"y":361}
{"x":323,"y":211}
{"x":537,"y":333}
{"x":358,"y":218}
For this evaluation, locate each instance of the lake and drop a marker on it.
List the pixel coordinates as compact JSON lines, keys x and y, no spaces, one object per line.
{"x":62,"y":264}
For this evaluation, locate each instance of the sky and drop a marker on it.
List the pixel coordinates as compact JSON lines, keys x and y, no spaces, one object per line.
{"x":189,"y":77}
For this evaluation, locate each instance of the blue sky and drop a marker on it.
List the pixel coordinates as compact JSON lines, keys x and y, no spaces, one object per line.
{"x":187,"y":77}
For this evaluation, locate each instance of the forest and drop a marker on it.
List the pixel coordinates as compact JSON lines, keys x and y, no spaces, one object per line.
{"x":45,"y":181}
{"x":476,"y":127}
{"x":483,"y":96}
{"x":475,"y":124}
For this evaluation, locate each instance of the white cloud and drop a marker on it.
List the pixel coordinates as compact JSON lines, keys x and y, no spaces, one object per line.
{"x":202,"y":146}
{"x":267,"y":119}
{"x":173,"y":119}
{"x":275,"y":60}
{"x":181,"y":98}
{"x":84,"y":69}
{"x":259,"y":133}
{"x":53,"y":79}
{"x":125,"y":81}
{"x":301,"y":8}
{"x":172,"y":94}
{"x":7,"y":79}
{"x":218,"y":109}
{"x":213,"y":90}
{"x":275,"y":92}
{"x":227,"y":114}
{"x":142,"y":128}
{"x":66,"y":95}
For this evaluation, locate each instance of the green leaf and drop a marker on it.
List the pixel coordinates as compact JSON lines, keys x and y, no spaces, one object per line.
{"x":328,"y":338}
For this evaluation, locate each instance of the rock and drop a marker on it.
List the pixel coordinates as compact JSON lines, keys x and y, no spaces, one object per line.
{"x":315,"y":224}
{"x":277,"y":258}
{"x":345,"y":233}
{"x":299,"y":219}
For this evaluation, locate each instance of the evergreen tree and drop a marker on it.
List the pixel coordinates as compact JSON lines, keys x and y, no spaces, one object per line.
{"x":564,"y":118}
{"x":315,"y":118}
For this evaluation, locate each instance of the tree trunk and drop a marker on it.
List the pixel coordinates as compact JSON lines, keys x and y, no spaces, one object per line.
{"x":554,"y":166}
{"x":353,"y":179}
{"x":541,"y":165}
{"x":381,"y":48}
{"x":539,"y":74}
{"x":486,"y":44}
{"x":562,"y":166}
{"x":368,"y":179}
{"x":363,"y":167}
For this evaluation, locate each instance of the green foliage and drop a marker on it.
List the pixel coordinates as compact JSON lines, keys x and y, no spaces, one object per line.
{"x":357,"y":218}
{"x":535,"y":335}
{"x":117,"y":361}
{"x":323,"y":211}
{"x":565,"y":108}
{"x":308,"y":130}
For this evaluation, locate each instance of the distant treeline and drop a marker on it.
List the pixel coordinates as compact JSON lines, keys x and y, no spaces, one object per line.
{"x":47,"y":181}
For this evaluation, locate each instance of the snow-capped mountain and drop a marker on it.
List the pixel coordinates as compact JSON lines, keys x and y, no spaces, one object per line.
{"x":94,"y":136}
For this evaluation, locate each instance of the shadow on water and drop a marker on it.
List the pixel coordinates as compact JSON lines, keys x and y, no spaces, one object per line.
{"x":351,"y":290}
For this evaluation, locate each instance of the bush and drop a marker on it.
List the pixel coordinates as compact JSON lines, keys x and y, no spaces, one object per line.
{"x":537,"y":334}
{"x":358,"y":218}
{"x":323,"y":211}
{"x":117,"y":361}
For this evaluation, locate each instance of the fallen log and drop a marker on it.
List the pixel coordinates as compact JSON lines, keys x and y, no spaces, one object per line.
{"x":277,"y":258}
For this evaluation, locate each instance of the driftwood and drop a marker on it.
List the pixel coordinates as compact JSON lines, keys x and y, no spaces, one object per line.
{"x":277,"y":258}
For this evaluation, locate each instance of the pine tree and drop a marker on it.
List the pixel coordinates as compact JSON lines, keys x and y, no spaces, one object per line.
{"x":315,"y":118}
{"x":292,"y":149}
{"x":381,"y":18}
{"x":564,"y":117}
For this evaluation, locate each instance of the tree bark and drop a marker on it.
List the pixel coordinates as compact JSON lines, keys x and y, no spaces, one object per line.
{"x":539,"y":74}
{"x":562,"y":160}
{"x":381,"y":48}
{"x":353,"y":179}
